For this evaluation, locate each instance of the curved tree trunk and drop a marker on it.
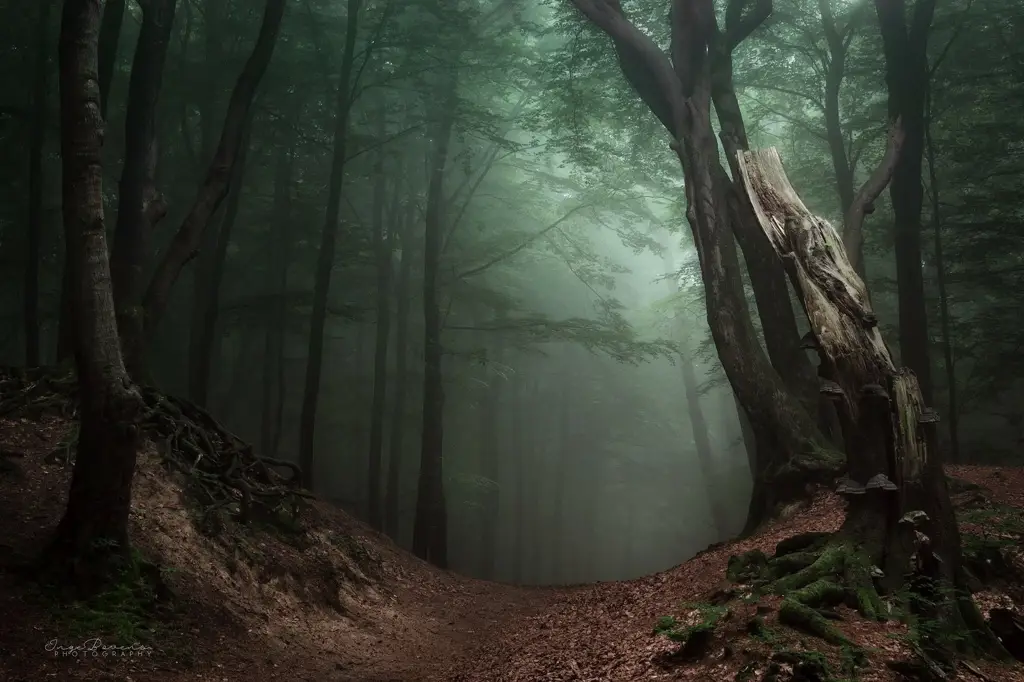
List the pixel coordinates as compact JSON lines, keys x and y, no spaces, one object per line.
{"x":900,"y":518}
{"x":678,"y":91}
{"x":91,"y":540}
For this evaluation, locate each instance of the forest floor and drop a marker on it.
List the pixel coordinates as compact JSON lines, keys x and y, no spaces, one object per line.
{"x":336,"y":601}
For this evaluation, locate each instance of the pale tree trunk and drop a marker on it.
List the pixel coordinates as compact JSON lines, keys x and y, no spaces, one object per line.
{"x":325,"y":257}
{"x":791,"y":450}
{"x":517,"y":448}
{"x":490,"y":454}
{"x":91,"y":542}
{"x":430,"y":530}
{"x":900,"y":518}
{"x":37,"y":138}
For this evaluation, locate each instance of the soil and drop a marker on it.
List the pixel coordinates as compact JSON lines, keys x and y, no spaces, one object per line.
{"x":336,"y":601}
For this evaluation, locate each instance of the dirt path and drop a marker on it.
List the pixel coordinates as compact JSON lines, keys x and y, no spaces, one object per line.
{"x":343,"y":604}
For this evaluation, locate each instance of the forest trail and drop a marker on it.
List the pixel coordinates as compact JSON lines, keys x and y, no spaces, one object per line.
{"x":339,"y":602}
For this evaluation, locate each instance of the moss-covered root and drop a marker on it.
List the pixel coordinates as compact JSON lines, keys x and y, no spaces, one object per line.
{"x":839,"y":573}
{"x":802,"y":617}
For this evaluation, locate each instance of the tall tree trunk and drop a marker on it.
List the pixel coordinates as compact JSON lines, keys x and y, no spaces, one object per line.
{"x":110,"y":37}
{"x":206,"y":348}
{"x":91,"y":539}
{"x":396,"y":442}
{"x":140,"y":205}
{"x":430,"y":530}
{"x":277,"y":317}
{"x":207,"y":105}
{"x":952,"y":409}
{"x":216,"y":184}
{"x":679,"y":92}
{"x":490,"y":456}
{"x":906,"y":77}
{"x":518,"y":464}
{"x":37,"y":138}
{"x":383,"y":246}
{"x":325,"y":258}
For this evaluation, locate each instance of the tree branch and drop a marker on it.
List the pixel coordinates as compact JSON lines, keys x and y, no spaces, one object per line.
{"x":738,"y":27}
{"x":863,"y":202}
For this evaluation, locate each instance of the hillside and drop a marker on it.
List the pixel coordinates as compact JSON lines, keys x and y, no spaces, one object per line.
{"x":330,"y":599}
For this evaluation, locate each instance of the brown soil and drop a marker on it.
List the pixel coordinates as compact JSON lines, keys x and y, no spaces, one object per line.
{"x":339,"y":602}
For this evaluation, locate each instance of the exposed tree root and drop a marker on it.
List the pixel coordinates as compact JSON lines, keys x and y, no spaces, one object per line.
{"x":223,"y":468}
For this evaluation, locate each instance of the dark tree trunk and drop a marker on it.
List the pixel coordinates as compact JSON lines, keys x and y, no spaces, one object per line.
{"x":396,"y":441}
{"x":906,"y":77}
{"x":383,"y":246}
{"x":430,"y":530}
{"x":91,"y":540}
{"x":206,"y":347}
{"x":490,"y":456}
{"x":140,"y":205}
{"x":325,"y":257}
{"x":679,"y":91}
{"x":952,"y":407}
{"x":517,"y":456}
{"x":110,"y":37}
{"x":216,"y":184}
{"x":37,"y":138}
{"x":277,"y":313}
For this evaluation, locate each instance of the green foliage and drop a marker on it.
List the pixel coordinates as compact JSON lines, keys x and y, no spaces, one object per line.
{"x":707,"y":617}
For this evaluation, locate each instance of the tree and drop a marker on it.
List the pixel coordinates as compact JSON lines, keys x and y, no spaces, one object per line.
{"x":899,"y":519}
{"x":679,"y":93}
{"x":92,"y":537}
{"x":906,"y":77}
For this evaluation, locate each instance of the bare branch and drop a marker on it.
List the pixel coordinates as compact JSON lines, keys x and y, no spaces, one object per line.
{"x":863,"y":202}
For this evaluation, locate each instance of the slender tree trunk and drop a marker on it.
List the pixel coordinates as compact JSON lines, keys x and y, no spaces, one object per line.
{"x":325,"y":258}
{"x":952,"y":409}
{"x":518,"y":464}
{"x":906,"y":76}
{"x":490,"y":455}
{"x":37,"y":138}
{"x":280,"y":255}
{"x":396,"y":441}
{"x":215,"y":187}
{"x":91,"y":539}
{"x":383,"y":245}
{"x":563,"y":444}
{"x":430,"y":531}
{"x":207,"y":345}
{"x":110,"y":37}
{"x":140,"y":205}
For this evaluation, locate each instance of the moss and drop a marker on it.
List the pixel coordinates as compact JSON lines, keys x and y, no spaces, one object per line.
{"x":695,"y":639}
{"x":820,"y":594}
{"x":828,"y":564}
{"x":746,"y":567}
{"x":805,"y":542}
{"x":805,"y":619}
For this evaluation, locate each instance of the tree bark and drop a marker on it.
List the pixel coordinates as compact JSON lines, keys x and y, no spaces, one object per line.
{"x":215,"y":187}
{"x":383,"y":247}
{"x":900,"y":518}
{"x":207,"y":346}
{"x":140,"y":205}
{"x":679,"y":93}
{"x":277,"y":318}
{"x":91,"y":540}
{"x":325,"y":257}
{"x":396,"y":441}
{"x":906,"y":78}
{"x":430,"y":530}
{"x":37,"y":138}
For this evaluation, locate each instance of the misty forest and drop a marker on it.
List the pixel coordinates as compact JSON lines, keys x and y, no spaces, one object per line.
{"x":512,"y":339}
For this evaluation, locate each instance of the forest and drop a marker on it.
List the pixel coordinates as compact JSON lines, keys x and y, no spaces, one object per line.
{"x":691,"y":320}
